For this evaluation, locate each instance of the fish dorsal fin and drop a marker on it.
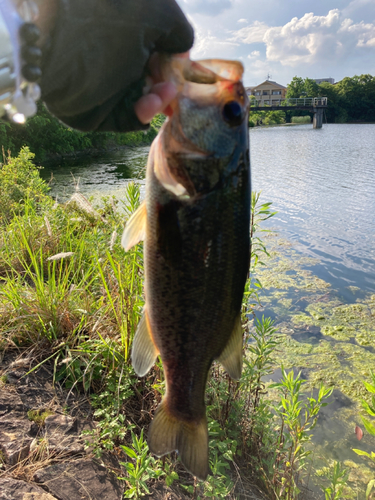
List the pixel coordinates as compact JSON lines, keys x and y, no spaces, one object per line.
{"x":162,"y":171}
{"x":167,"y":433}
{"x":144,"y":351}
{"x":135,"y":228}
{"x":231,"y":357}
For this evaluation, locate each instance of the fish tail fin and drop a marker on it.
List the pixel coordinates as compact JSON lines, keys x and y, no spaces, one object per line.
{"x":167,"y":433}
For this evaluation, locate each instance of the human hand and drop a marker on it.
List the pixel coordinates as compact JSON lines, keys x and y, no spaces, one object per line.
{"x":159,"y":96}
{"x":94,"y":68}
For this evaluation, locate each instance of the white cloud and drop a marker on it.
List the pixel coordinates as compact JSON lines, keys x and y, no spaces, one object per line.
{"x":258,"y":69}
{"x":251,"y":34}
{"x":308,"y":39}
{"x":363,"y":32}
{"x":208,"y":44}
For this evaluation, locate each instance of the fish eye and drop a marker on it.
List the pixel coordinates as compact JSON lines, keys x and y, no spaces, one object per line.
{"x":232,"y":113}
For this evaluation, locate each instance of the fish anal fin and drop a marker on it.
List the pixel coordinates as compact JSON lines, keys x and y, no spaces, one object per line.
{"x":167,"y":433}
{"x":144,"y":350}
{"x":135,"y":228}
{"x":231,"y":357}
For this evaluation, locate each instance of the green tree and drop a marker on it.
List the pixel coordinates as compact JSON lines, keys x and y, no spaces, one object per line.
{"x":351,"y":99}
{"x":311,"y":88}
{"x":295,"y":87}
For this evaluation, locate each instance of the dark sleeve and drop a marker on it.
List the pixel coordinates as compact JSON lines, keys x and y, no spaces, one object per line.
{"x":94,"y":66}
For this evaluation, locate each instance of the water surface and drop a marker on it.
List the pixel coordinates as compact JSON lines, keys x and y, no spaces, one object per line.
{"x":322,"y":182}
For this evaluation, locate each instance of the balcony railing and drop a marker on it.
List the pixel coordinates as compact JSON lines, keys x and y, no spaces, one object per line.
{"x":301,"y":101}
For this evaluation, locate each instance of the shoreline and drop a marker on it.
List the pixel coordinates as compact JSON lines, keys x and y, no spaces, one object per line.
{"x":54,"y":158}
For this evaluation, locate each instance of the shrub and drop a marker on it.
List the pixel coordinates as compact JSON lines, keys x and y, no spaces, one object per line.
{"x":301,"y":119}
{"x":19,"y":181}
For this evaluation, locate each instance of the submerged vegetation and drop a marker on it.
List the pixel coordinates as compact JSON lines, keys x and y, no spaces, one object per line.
{"x":71,"y":296}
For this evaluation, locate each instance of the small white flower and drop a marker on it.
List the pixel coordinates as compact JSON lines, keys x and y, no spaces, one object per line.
{"x":62,"y":255}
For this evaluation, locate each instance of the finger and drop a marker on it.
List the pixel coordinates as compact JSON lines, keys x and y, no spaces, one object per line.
{"x":155,"y":102}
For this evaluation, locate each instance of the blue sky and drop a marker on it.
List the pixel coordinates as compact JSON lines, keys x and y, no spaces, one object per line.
{"x":284,"y":38}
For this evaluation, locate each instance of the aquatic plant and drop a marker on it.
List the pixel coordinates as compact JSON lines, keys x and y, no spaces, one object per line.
{"x":337,"y":477}
{"x":369,"y":426}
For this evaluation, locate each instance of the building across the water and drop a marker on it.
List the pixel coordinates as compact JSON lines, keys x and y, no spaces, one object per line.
{"x":321,"y":80}
{"x":267,"y":92}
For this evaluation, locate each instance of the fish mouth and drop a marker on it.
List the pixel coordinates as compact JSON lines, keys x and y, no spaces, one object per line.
{"x":210,"y":80}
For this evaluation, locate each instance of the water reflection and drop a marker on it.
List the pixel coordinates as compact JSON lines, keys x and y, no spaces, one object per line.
{"x":323,"y":185}
{"x":104,"y":175}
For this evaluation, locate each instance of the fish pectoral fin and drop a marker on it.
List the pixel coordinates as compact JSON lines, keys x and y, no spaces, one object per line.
{"x":144,"y":351}
{"x":135,"y":228}
{"x":231,"y":357}
{"x":167,"y":434}
{"x":162,"y":171}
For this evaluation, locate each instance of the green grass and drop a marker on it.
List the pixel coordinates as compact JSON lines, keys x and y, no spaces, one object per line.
{"x":70,"y":292}
{"x":301,"y":119}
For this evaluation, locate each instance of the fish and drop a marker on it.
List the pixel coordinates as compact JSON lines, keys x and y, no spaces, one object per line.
{"x":195,"y":223}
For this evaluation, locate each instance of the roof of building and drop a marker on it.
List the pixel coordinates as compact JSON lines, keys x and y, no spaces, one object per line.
{"x":270,"y":81}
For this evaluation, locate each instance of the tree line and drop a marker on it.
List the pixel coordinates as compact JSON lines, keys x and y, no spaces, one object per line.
{"x":350,"y":100}
{"x":48,"y":138}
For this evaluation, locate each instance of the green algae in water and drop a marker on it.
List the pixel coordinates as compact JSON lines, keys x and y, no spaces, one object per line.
{"x":330,"y":341}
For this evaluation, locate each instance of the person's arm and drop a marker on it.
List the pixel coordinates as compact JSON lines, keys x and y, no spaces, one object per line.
{"x":96,"y":57}
{"x":96,"y":60}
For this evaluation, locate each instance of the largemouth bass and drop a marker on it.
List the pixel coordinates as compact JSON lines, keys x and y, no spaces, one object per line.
{"x":195,"y":224}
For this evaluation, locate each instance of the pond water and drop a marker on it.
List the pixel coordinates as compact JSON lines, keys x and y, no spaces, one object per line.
{"x":320,"y":279}
{"x":322,"y":182}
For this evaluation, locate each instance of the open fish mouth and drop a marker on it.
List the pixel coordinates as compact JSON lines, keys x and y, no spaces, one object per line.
{"x":218,"y":75}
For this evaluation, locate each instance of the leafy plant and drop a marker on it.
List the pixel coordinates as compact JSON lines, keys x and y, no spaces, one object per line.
{"x":259,"y":214}
{"x":297,"y":417}
{"x":337,"y":477}
{"x":20,"y":181}
{"x":369,"y":426}
{"x":261,"y":343}
{"x":143,"y":468}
